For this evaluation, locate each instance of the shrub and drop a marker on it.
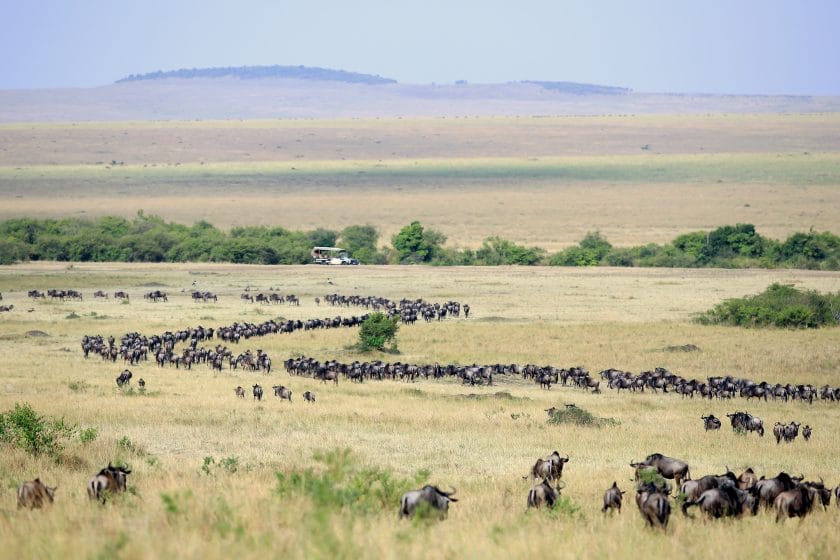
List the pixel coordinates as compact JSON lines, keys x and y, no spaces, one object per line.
{"x":780,"y":306}
{"x":377,"y":330}
{"x":23,"y":428}
{"x":88,"y":434}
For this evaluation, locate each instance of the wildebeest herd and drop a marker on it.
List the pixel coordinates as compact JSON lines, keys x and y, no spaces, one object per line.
{"x":715,"y":495}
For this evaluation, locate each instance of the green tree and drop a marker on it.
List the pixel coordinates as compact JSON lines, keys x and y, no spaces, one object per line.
{"x":377,"y":330}
{"x":360,"y":242}
{"x":414,"y":244}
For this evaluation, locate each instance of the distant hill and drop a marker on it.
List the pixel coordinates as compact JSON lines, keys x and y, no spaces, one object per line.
{"x":579,"y":89}
{"x":291,"y":92}
{"x":261,"y":72}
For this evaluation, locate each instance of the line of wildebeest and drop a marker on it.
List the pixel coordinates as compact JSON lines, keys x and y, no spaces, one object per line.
{"x":716,"y":496}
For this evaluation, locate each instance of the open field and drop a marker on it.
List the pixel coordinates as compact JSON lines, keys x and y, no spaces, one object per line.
{"x":536,"y":181}
{"x":481,"y":440}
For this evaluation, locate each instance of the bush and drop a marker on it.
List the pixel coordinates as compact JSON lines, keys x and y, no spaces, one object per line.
{"x":580,"y":417}
{"x":377,"y":330}
{"x":23,"y":428}
{"x":780,"y":306}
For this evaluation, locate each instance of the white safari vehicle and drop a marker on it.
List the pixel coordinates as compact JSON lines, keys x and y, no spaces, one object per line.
{"x":332,"y":255}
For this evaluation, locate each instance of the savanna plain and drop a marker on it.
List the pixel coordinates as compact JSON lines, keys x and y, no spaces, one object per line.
{"x":215,"y":476}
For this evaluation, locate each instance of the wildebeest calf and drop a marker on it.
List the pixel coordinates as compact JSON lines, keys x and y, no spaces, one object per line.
{"x":612,"y":498}
{"x":34,"y":494}
{"x":258,"y":392}
{"x":309,"y":396}
{"x":240,"y":392}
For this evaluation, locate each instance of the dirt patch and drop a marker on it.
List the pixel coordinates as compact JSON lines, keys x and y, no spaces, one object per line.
{"x":36,"y":334}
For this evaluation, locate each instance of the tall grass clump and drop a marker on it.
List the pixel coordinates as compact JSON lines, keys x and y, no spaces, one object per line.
{"x":338,"y":483}
{"x":780,"y":305}
{"x":24,"y":429}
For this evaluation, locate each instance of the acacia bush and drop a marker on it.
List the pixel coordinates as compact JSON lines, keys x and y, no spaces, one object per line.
{"x":780,"y":305}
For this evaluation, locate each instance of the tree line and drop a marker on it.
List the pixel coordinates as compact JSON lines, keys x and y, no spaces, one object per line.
{"x":147,"y":238}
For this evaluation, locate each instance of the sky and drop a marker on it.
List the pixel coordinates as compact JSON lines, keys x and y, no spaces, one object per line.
{"x":680,"y":46}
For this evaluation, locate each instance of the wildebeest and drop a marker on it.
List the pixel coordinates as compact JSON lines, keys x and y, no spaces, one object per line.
{"x":35,"y":494}
{"x":258,"y":392}
{"x":746,"y":422}
{"x":4,"y":308}
{"x":100,"y":294}
{"x":612,"y":498}
{"x":725,"y":501}
{"x":110,"y":480}
{"x":653,"y":505}
{"x":796,"y":502}
{"x":282,"y":392}
{"x":549,"y":468}
{"x":124,"y":378}
{"x":309,"y":396}
{"x":710,"y":422}
{"x":767,"y":489}
{"x":240,"y":392}
{"x":543,"y":494}
{"x":694,"y":488}
{"x":142,"y":383}
{"x":668,"y":467}
{"x":806,"y":432}
{"x":432,"y":496}
{"x":747,"y":479}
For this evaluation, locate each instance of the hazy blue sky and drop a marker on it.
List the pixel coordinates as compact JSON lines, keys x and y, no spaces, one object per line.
{"x":716,"y":46}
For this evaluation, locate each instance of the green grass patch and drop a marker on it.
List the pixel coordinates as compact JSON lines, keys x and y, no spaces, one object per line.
{"x":780,"y":305}
{"x":579,"y":417}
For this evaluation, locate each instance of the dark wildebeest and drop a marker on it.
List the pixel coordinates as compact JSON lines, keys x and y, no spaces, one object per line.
{"x":778,"y":431}
{"x":653,"y":505}
{"x":543,"y":493}
{"x":666,"y":466}
{"x":258,"y":392}
{"x":549,"y":468}
{"x":725,"y":501}
{"x":693,"y":488}
{"x":823,"y":493}
{"x":124,"y":378}
{"x":806,"y":432}
{"x":309,"y":396}
{"x":282,"y":392}
{"x":797,"y":502}
{"x":35,"y":494}
{"x":433,"y":498}
{"x":612,"y":498}
{"x":110,"y":480}
{"x":710,"y":422}
{"x":142,"y":383}
{"x":768,"y":489}
{"x":240,"y":392}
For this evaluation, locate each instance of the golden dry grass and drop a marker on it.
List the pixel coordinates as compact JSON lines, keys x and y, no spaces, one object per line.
{"x":482,"y":445}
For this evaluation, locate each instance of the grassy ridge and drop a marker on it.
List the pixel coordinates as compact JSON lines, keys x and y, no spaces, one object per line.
{"x":793,"y":169}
